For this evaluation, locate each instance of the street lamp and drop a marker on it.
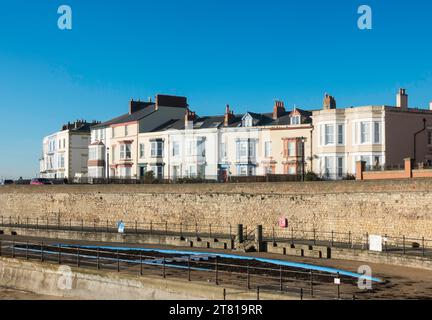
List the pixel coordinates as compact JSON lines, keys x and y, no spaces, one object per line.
{"x":107,"y":165}
{"x":303,"y":140}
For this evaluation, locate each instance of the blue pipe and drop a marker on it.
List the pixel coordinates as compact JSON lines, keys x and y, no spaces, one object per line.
{"x":237,"y":257}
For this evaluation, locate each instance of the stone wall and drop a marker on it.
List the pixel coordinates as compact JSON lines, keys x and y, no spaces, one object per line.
{"x":395,"y":207}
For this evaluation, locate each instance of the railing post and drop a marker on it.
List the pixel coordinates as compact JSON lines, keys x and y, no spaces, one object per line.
{"x":301,"y":293}
{"x":13,"y":248}
{"x":141,"y":264}
{"x":42,"y":252}
{"x":210,"y":231}
{"x":196,"y":230}
{"x":349,"y":239}
{"x":385,"y":243}
{"x":27,"y":223}
{"x":258,"y":293}
{"x":224,"y":294}
{"x":97,"y":259}
{"x":181,"y":230}
{"x":248,"y":277}
{"x":332,"y":238}
{"x":403,"y":244}
{"x":59,"y":254}
{"x":314,"y":236}
{"x":118,"y":261}
{"x":274,"y":237}
{"x":189,"y":268}
{"x":280,"y":279}
{"x":216,"y":271}
{"x":47,"y":222}
{"x":82,"y":224}
{"x":367,"y":240}
{"x":37,"y":222}
{"x":230,"y":231}
{"x":338,"y":288}
{"x":94,"y":225}
{"x":151,"y":227}
{"x":107,"y":226}
{"x":311,"y":284}
{"x":78,"y":257}
{"x":292,"y":235}
{"x":70,"y":223}
{"x":0,"y":247}
{"x":27,"y":248}
{"x":164,"y":271}
{"x":136,"y":227}
{"x":166,"y":228}
{"x":423,"y":246}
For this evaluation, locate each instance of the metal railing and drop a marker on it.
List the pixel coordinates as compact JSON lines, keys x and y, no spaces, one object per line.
{"x":247,"y":275}
{"x":404,"y":245}
{"x":416,"y":246}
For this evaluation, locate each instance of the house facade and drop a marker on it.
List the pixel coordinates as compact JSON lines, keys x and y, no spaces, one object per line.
{"x":65,"y":153}
{"x":381,"y":136}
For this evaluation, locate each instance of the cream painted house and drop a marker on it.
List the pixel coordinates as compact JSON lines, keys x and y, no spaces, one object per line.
{"x":382,"y":136}
{"x":65,"y":153}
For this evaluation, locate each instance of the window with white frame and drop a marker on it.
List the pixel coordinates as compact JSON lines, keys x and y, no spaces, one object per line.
{"x":223,"y":150}
{"x":243,"y":149}
{"x":157,"y":148}
{"x":247,"y":121}
{"x":295,"y":120}
{"x":268,"y":149}
{"x":201,"y":148}
{"x":141,"y":150}
{"x":176,"y":149}
{"x":92,"y":153}
{"x":341,"y":136}
{"x":329,"y":134}
{"x":364,"y":132}
{"x":125,"y":151}
{"x":340,"y":166}
{"x":291,"y":149}
{"x":328,"y":166}
{"x":377,"y":132}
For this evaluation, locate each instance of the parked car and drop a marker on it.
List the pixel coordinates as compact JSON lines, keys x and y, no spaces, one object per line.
{"x":40,"y":182}
{"x":7,"y":182}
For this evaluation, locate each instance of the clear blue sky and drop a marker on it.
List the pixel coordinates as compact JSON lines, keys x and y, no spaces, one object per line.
{"x":242,"y":52}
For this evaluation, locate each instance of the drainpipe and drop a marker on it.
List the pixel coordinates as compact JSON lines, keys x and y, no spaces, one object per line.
{"x":415,"y":138}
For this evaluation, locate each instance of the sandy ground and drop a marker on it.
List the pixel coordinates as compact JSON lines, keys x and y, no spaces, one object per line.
{"x":8,"y":294}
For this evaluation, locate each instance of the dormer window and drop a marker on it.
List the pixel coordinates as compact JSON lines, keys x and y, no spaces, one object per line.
{"x":295,"y":120}
{"x":247,"y":121}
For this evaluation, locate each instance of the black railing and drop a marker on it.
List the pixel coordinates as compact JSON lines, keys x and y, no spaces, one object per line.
{"x":246,"y":274}
{"x":405,"y":245}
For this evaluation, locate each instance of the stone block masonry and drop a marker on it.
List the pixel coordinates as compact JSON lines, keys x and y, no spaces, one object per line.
{"x":394,"y":207}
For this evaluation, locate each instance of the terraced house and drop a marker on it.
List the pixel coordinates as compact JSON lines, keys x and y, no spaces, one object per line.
{"x":65,"y":153}
{"x":115,"y":151}
{"x":381,"y":136}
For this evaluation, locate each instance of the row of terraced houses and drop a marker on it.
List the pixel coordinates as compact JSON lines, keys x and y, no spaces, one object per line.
{"x":169,"y":139}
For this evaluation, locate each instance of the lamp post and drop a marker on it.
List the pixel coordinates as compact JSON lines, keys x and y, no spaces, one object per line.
{"x":303,"y":140}
{"x":107,"y":165}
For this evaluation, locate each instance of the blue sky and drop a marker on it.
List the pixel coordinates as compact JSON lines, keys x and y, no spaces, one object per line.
{"x":245,"y":53}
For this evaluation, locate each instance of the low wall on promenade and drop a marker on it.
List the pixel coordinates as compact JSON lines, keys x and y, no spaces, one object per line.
{"x":395,"y":207}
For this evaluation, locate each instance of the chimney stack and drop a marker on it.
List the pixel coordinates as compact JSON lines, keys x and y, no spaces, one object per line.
{"x":278,"y":109}
{"x":229,"y":116}
{"x":190,"y":117}
{"x":402,"y":99}
{"x":329,"y":102}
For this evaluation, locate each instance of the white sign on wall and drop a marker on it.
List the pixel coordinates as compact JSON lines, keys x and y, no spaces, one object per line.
{"x":375,"y":243}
